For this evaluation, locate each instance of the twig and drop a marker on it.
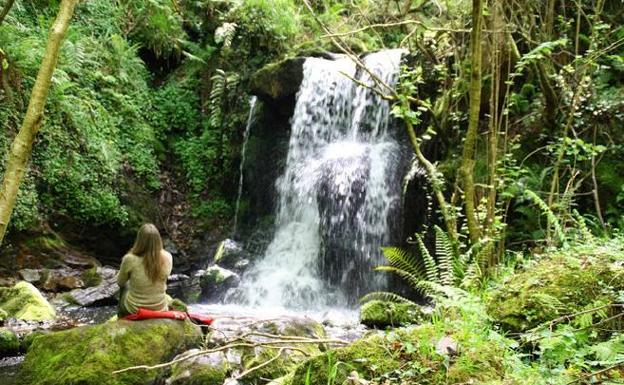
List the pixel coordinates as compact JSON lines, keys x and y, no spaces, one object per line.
{"x":260,"y":366}
{"x":395,"y":24}
{"x":601,"y":371}
{"x":230,"y":345}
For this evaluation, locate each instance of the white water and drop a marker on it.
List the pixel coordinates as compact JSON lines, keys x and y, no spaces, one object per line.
{"x":252,"y":111}
{"x":336,"y":195}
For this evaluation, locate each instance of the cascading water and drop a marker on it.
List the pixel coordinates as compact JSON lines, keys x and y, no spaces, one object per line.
{"x":338,"y":194}
{"x":252,"y":110}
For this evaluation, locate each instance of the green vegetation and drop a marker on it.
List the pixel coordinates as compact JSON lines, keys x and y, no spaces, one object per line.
{"x":23,"y":301}
{"x":524,"y":270}
{"x":88,"y":355}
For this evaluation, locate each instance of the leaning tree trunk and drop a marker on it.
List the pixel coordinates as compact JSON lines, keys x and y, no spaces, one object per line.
{"x":6,"y":9}
{"x":468,"y":154}
{"x":22,"y":144}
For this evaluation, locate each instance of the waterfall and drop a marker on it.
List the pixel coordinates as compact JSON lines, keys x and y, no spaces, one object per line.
{"x":252,"y":111}
{"x":339,"y":192}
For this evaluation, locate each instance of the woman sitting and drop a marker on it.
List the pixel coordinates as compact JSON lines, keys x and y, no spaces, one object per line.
{"x":143,"y":274}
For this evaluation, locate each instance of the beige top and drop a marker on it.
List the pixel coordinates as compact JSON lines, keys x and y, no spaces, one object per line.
{"x":141,"y":291}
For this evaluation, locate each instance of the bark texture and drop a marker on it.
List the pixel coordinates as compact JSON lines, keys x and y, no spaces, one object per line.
{"x":468,"y":154}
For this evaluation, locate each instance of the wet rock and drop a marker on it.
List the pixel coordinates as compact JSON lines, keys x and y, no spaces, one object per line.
{"x":30,"y":275}
{"x":381,"y":314}
{"x":23,"y":301}
{"x":278,"y":81}
{"x":62,"y":280}
{"x":9,"y":342}
{"x":206,"y":369}
{"x":184,"y":287}
{"x":231,"y":255}
{"x":88,"y":355}
{"x":79,"y":261}
{"x":215,"y":281}
{"x":104,"y":293}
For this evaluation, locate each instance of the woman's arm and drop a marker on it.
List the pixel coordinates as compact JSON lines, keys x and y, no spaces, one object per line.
{"x":124,"y":271}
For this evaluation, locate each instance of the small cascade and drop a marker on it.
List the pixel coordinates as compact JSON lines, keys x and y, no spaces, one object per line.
{"x":339,"y":193}
{"x":252,"y":111}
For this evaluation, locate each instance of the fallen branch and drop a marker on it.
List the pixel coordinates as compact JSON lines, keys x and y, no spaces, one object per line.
{"x":284,"y":340}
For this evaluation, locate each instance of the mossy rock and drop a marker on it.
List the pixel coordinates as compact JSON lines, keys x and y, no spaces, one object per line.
{"x":561,"y":283}
{"x":381,"y":314}
{"x":281,"y":365}
{"x":91,"y":277}
{"x":88,"y":355}
{"x":23,"y":301}
{"x":206,"y":369}
{"x":9,"y":342}
{"x":279,"y":80}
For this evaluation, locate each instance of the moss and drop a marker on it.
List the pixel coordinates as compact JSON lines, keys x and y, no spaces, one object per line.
{"x":278,"y":80}
{"x":23,"y":301}
{"x":412,"y":353}
{"x":91,"y":277}
{"x":288,"y":359}
{"x":45,"y":242}
{"x":9,"y":342}
{"x":280,"y":366}
{"x":27,"y":341}
{"x":177,"y":304}
{"x":559,"y":283}
{"x":209,"y":369}
{"x":88,"y":355}
{"x":3,"y":315}
{"x":382,"y":314}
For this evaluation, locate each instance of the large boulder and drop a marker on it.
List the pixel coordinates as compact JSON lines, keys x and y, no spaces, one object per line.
{"x":382,"y":314}
{"x":102,"y":293}
{"x":559,"y":283}
{"x":204,"y":369}
{"x":224,"y":367}
{"x":278,"y":81}
{"x":88,"y":355}
{"x":231,"y":255}
{"x":215,"y":281}
{"x":23,"y":301}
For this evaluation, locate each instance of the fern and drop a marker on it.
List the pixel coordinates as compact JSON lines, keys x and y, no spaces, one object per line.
{"x":445,"y":255}
{"x":581,"y":224}
{"x":404,"y":260}
{"x":553,"y":221}
{"x":221,"y":83}
{"x":431,"y":268}
{"x":385,"y":296}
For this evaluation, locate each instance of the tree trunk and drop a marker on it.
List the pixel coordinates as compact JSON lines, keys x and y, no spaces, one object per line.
{"x":468,"y":154}
{"x":5,"y":10}
{"x":22,"y":144}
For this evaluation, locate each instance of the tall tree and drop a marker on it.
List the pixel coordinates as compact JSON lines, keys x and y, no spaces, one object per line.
{"x":22,"y":144}
{"x":468,"y":154}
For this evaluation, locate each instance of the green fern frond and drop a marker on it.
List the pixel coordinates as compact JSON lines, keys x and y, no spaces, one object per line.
{"x":404,"y":260}
{"x":550,"y":216}
{"x":385,"y":296}
{"x":432,"y":271}
{"x":581,"y":223}
{"x":411,"y":279}
{"x":445,"y":255}
{"x":429,"y":289}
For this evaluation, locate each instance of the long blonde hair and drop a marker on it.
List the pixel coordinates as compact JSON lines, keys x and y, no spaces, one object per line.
{"x":149,"y":246}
